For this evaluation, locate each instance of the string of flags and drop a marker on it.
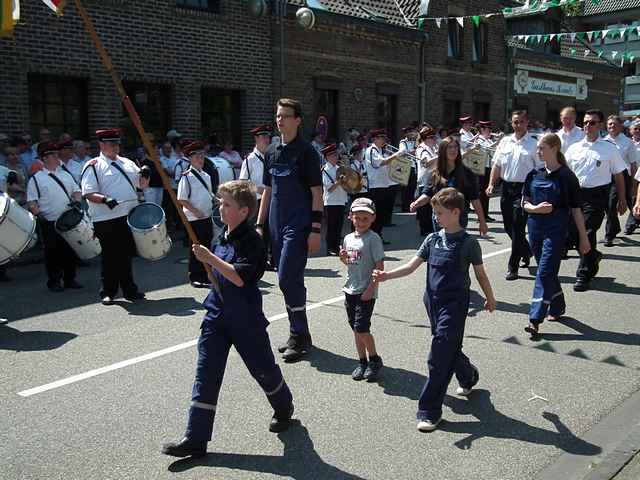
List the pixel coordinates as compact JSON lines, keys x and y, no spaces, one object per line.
{"x":540,"y":6}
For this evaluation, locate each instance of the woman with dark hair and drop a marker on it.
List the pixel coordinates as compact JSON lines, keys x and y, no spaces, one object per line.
{"x":450,"y":172}
{"x":550,"y":196}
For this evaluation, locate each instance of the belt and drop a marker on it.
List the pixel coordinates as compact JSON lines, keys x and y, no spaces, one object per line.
{"x":595,"y":189}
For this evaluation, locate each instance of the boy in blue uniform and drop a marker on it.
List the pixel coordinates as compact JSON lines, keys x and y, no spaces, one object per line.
{"x":448,"y":254}
{"x":234,"y":317}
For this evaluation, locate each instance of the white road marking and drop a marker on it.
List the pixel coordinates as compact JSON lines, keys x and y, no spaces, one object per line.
{"x":176,"y":348}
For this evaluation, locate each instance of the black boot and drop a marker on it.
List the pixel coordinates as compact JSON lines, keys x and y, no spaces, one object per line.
{"x":300,"y":347}
{"x":279,"y":423}
{"x":185,"y":448}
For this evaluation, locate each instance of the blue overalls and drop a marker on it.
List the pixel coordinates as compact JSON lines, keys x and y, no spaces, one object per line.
{"x":464,"y":215}
{"x":290,"y":225}
{"x":240,"y":322}
{"x":447,"y":301}
{"x":547,"y":237}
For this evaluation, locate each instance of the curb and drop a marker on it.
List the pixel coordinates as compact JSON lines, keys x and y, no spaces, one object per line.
{"x":615,"y":461}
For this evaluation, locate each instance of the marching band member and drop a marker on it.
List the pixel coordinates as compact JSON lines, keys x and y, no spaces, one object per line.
{"x":292,"y":198}
{"x":408,"y":144}
{"x":466,"y":135}
{"x":629,"y":154}
{"x":109,"y":183}
{"x":635,"y":138}
{"x":51,"y":192}
{"x":66,"y":161}
{"x":427,"y":154}
{"x":253,"y":166}
{"x":195,"y":194}
{"x":515,"y":157}
{"x":360,"y":165}
{"x":334,"y":198}
{"x":485,"y":141}
{"x":595,"y":162}
{"x":379,"y":182}
{"x":569,"y":133}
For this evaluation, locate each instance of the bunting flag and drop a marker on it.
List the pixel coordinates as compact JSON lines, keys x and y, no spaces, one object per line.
{"x":532,"y":7}
{"x":621,"y":33}
{"x":460,"y":21}
{"x":424,"y":8}
{"x":9,"y":16}
{"x":55,"y":5}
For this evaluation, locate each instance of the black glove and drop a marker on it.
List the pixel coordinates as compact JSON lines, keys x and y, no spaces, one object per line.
{"x":110,"y":202}
{"x":145,"y":172}
{"x":12,"y":177}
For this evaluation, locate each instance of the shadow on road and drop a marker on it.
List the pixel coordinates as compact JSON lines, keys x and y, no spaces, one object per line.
{"x":299,"y":460}
{"x":494,"y":424}
{"x":31,"y":341}
{"x":588,"y":333}
{"x":175,"y":306}
{"x":605,"y":284}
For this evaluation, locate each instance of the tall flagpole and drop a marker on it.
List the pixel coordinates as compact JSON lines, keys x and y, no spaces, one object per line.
{"x":135,"y":119}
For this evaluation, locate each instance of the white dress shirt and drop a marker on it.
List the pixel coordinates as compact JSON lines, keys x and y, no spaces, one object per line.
{"x":594,"y":162}
{"x":253,"y":169}
{"x":466,"y":139}
{"x":192,"y":190}
{"x":73,"y":168}
{"x":627,"y":149}
{"x":100,"y":176}
{"x":378,"y":176}
{"x":51,"y":198}
{"x":425,"y":152}
{"x":408,"y":146}
{"x":567,"y":139}
{"x":516,"y":158}
{"x":329,"y":178}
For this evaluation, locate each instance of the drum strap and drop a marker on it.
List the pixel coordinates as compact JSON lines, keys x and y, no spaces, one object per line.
{"x":64,"y":167}
{"x":371,"y":158}
{"x":59,"y":182}
{"x":119,"y":168}
{"x":201,"y":180}
{"x":35,"y":182}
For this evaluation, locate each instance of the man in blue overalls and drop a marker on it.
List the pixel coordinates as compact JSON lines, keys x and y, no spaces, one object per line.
{"x":292,"y":198}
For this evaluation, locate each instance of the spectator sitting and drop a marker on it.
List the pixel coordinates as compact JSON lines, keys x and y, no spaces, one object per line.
{"x":230,"y":155}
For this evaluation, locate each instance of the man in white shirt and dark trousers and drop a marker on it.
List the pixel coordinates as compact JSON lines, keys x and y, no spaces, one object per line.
{"x":334,"y":198}
{"x":195,"y":194}
{"x":515,"y":157}
{"x":50,"y":193}
{"x":595,"y":162}
{"x":110,"y":183}
{"x":569,"y":133}
{"x":629,"y":154}
{"x":379,"y":181}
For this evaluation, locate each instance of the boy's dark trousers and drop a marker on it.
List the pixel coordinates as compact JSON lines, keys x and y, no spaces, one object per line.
{"x":251,"y":341}
{"x":334,"y":215}
{"x":447,"y":301}
{"x":204,"y":231}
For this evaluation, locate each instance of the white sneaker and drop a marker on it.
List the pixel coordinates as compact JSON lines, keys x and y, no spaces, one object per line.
{"x":428,"y":425}
{"x":463,"y":392}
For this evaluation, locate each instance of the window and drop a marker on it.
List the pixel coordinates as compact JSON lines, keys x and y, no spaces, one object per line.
{"x":221,"y":115}
{"x":153,"y":104}
{"x":451,"y":113}
{"x":206,"y":5}
{"x":59,"y":104}
{"x":480,"y":43}
{"x":481,"y":111}
{"x":387,"y":114}
{"x":326,"y":105}
{"x":456,"y":38}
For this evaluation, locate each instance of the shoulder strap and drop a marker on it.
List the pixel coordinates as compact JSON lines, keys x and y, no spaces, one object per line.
{"x":329,"y":176}
{"x":59,"y":182}
{"x":64,"y":167}
{"x":119,"y":168}
{"x":35,"y":181}
{"x":201,"y":180}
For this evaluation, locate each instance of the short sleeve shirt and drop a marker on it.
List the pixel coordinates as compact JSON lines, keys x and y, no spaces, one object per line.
{"x":192,"y":190}
{"x":569,"y":186}
{"x":52,"y":199}
{"x":378,"y":175}
{"x":516,"y":157}
{"x":363,"y":252}
{"x":253,"y":169}
{"x":594,"y":162}
{"x":470,"y":251}
{"x":329,"y":178}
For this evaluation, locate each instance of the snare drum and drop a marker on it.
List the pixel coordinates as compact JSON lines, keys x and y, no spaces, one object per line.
{"x":17,"y":229}
{"x":148,"y":226}
{"x":77,"y":230}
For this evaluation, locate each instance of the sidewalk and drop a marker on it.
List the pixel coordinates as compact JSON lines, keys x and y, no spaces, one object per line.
{"x":631,"y":470}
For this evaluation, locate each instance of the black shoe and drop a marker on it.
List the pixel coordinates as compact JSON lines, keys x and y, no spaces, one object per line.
{"x":608,"y":242}
{"x":373,"y":370}
{"x":289,"y":343}
{"x":524,"y":262}
{"x":300,"y":347}
{"x":281,"y":423}
{"x":73,"y":285}
{"x":132,"y":297}
{"x":511,"y":275}
{"x":358,"y":373}
{"x":185,"y":448}
{"x":107,"y":300}
{"x":55,"y":287}
{"x":596,"y":264}
{"x":581,"y":285}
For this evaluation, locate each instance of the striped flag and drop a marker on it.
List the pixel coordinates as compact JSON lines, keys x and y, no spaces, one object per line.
{"x":55,"y":5}
{"x":9,"y":16}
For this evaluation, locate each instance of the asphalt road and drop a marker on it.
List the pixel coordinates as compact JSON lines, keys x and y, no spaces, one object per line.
{"x":548,"y":409}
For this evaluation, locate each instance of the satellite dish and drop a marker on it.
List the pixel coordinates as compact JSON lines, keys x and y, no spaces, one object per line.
{"x":306,"y":18}
{"x":257,"y":8}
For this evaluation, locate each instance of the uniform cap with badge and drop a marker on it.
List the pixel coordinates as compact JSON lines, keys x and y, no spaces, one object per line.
{"x":109,"y":135}
{"x":47,"y":148}
{"x":261,"y":130}
{"x":193,"y":148}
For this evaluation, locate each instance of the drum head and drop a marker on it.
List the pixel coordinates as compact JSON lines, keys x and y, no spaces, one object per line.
{"x":145,"y":216}
{"x":69,"y":220}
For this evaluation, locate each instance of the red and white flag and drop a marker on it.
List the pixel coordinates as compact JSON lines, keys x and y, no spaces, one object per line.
{"x":55,"y":5}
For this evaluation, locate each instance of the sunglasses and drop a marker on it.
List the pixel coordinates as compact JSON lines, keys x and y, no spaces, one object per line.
{"x":591,"y":123}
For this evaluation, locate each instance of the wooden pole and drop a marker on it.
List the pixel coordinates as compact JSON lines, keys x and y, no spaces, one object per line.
{"x":135,"y":119}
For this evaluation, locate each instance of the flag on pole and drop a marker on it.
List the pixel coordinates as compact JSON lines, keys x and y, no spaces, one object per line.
{"x":9,"y":16}
{"x":55,"y":5}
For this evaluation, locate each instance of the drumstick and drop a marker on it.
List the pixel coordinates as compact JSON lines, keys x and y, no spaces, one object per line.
{"x":135,"y":119}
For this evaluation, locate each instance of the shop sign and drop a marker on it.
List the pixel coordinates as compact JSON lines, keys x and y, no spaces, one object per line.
{"x":525,"y":84}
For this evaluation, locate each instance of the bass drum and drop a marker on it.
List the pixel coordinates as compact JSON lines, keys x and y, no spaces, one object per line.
{"x":226,"y":172}
{"x":77,"y":230}
{"x":149,"y":229}
{"x":17,"y":229}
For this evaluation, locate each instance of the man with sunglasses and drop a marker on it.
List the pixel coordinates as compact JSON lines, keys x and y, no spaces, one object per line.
{"x":595,"y":161}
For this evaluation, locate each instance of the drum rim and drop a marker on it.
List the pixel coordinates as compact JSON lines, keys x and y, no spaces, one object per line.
{"x":142,"y":230}
{"x":31,"y":234}
{"x":55,"y":225}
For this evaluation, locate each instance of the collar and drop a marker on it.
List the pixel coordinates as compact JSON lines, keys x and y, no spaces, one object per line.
{"x":524,"y":138}
{"x":258,"y":152}
{"x":108,"y":160}
{"x":238,"y":232}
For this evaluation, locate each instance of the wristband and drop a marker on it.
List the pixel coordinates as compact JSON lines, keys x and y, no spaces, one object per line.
{"x":316,"y":216}
{"x":315,"y":230}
